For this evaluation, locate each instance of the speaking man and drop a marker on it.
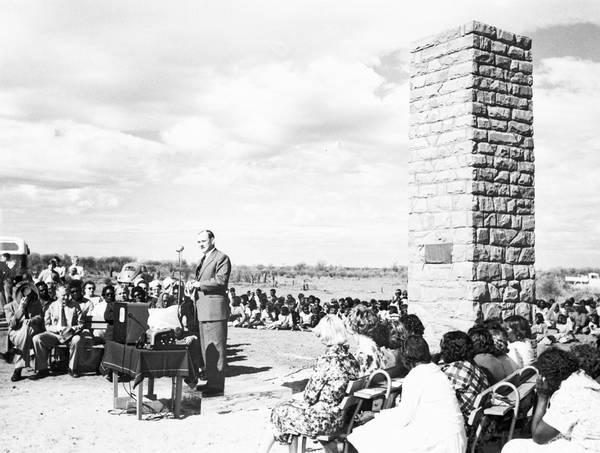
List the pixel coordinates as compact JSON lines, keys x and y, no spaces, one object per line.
{"x":212,"y":308}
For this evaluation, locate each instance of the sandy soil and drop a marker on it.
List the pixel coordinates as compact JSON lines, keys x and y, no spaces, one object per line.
{"x":64,"y":414}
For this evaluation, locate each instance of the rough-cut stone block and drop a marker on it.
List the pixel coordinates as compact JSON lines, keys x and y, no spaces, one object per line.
{"x":507,"y":272}
{"x":527,"y":290}
{"x":525,"y":309}
{"x":479,"y":292}
{"x":511,"y":294}
{"x":495,"y":293}
{"x":471,"y":173}
{"x":491,"y":311}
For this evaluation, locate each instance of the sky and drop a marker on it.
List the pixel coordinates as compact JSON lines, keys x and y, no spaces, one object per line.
{"x":128,"y":126}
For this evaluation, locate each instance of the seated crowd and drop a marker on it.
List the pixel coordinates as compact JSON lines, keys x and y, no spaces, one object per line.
{"x":60,"y":309}
{"x":440,"y":390}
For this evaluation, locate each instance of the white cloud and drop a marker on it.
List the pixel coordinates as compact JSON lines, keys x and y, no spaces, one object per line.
{"x":281,"y":124}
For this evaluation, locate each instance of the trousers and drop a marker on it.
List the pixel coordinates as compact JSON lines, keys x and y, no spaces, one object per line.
{"x":213,"y":344}
{"x":43,"y":344}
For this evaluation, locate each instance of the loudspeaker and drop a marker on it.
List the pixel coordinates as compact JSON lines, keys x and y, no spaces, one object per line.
{"x":130,"y":321}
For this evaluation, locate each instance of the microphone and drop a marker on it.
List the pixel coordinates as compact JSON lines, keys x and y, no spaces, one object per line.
{"x":179,"y":248}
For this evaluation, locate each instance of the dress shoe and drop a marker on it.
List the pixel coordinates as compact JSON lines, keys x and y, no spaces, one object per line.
{"x":40,"y":375}
{"x":74,"y":374}
{"x":210,"y":392}
{"x":16,"y":376}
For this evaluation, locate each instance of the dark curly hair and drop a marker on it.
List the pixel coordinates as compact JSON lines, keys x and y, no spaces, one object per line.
{"x":455,"y":346}
{"x":500,"y":339}
{"x":397,"y":334}
{"x":413,"y":324}
{"x":556,"y":365}
{"x":416,"y":350}
{"x":483,"y":342}
{"x":588,"y":358}
{"x":518,"y":326}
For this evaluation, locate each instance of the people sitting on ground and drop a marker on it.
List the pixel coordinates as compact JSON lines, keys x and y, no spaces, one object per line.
{"x":63,"y":326}
{"x":566,"y":414}
{"x":581,"y":320}
{"x":24,"y":316}
{"x":520,"y":347}
{"x":284,"y":320}
{"x":238,"y":313}
{"x":317,"y":412}
{"x":428,"y":417}
{"x":467,"y":379}
{"x":539,"y":327}
{"x":305,"y":317}
{"x":483,"y":354}
{"x":253,"y":319}
{"x":369,"y":335}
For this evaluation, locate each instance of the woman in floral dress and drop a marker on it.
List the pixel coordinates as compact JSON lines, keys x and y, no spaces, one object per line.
{"x":317,"y":413}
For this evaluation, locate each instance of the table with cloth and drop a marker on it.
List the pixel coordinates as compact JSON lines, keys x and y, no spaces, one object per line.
{"x":149,"y":364}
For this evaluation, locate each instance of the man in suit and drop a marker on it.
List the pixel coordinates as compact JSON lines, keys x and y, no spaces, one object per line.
{"x":212,"y":310}
{"x":25,"y":320}
{"x":63,"y":326}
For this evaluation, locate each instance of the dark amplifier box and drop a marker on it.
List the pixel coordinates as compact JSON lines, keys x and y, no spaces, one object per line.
{"x":130,"y":321}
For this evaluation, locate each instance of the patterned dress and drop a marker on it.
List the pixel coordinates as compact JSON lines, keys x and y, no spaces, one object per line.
{"x":468,"y":381}
{"x":370,"y":357}
{"x":317,"y":412}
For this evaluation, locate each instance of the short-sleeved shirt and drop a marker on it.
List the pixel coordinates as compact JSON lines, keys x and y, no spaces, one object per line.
{"x":574,"y":411}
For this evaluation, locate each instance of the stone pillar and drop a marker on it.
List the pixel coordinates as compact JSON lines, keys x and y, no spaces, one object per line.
{"x":471,"y":173}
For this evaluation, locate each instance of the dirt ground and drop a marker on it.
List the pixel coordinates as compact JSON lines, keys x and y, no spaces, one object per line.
{"x":64,"y":414}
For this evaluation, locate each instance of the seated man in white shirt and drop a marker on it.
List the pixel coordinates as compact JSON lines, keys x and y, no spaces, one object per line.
{"x":63,"y":326}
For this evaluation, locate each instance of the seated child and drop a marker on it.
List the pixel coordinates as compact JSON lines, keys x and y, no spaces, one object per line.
{"x":520,"y":348}
{"x":305,"y":317}
{"x":539,"y":327}
{"x":238,"y":313}
{"x":581,"y":320}
{"x":284,"y":321}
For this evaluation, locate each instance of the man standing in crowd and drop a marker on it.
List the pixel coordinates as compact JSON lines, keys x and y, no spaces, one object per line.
{"x":50,"y":274}
{"x":75,"y":270}
{"x":25,"y":319}
{"x":212,"y":308}
{"x":7,"y":276}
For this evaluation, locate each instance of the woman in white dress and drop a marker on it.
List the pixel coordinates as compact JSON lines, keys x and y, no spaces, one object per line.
{"x":428,"y":418}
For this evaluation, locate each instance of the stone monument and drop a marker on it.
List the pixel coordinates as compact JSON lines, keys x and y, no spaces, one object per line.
{"x":471,"y":173}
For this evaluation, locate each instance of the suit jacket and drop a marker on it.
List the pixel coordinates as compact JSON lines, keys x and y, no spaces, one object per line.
{"x":212,"y":302}
{"x":15,"y":317}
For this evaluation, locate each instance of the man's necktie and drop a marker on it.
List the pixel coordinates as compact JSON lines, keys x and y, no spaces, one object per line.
{"x":63,"y":317}
{"x":200,"y":266}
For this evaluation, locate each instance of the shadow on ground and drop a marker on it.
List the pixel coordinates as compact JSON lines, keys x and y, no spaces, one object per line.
{"x":296,"y":386}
